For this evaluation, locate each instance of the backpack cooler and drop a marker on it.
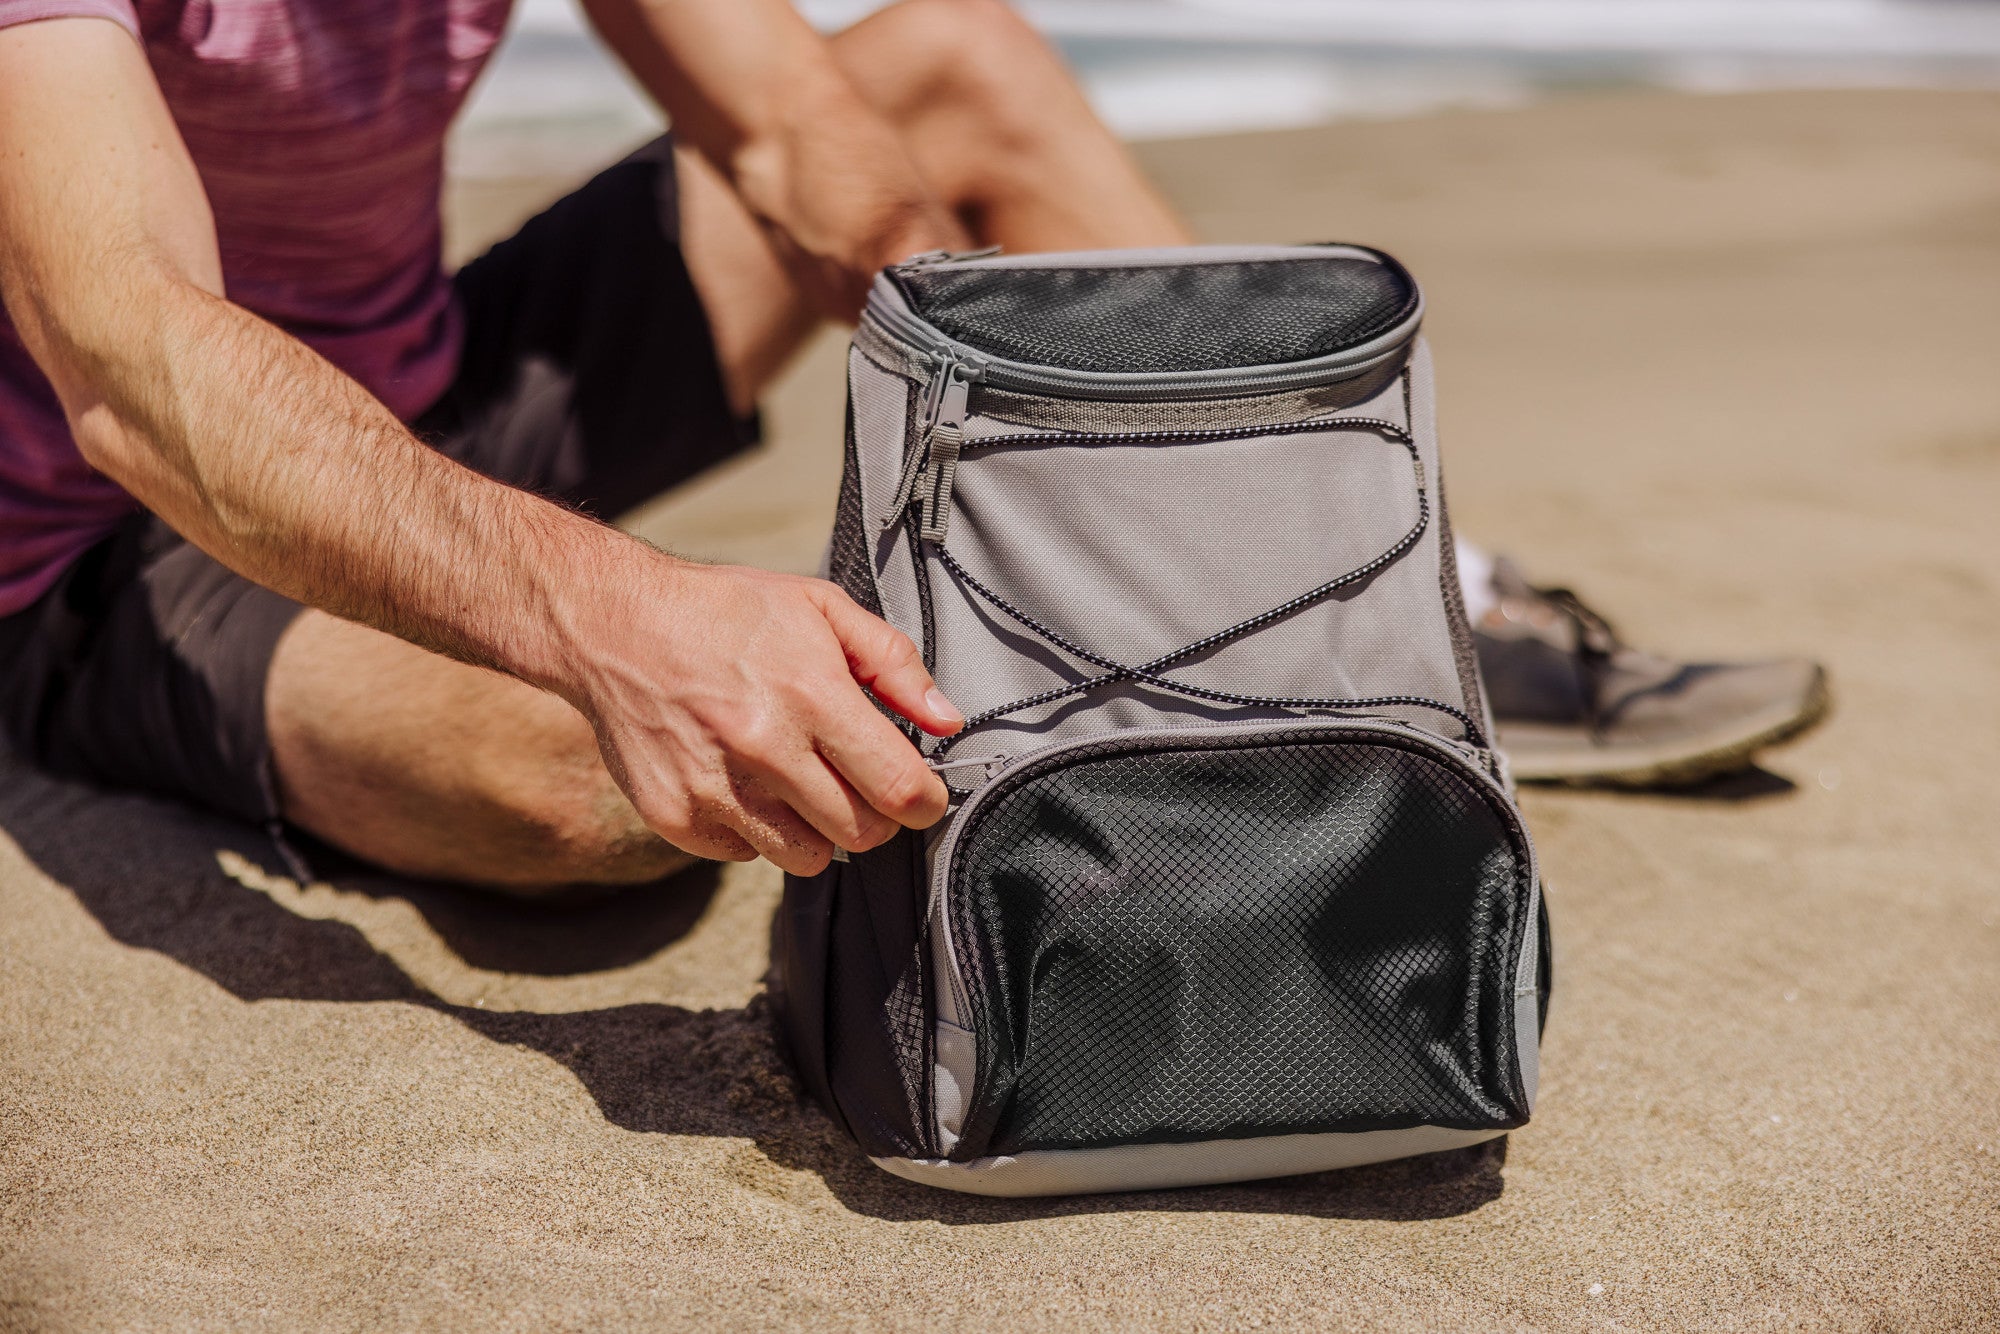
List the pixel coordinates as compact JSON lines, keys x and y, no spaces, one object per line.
{"x":1233,"y":884}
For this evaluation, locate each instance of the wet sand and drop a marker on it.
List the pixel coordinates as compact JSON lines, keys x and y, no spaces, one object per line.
{"x":1727,"y":365}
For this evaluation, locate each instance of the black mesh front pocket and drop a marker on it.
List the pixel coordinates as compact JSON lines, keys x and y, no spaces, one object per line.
{"x":1221,"y":940}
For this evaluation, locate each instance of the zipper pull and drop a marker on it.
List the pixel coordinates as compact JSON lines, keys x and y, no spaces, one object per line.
{"x":947,"y":437}
{"x":943,"y":416}
{"x":946,"y":257}
{"x":989,"y":768}
{"x":906,"y":489}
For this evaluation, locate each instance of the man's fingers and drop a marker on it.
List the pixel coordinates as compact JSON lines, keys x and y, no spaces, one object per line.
{"x":883,"y":659}
{"x":864,"y":747}
{"x":771,"y":826}
{"x":745,"y":828}
{"x":884,"y":768}
{"x":715,"y":842}
{"x":826,"y":801}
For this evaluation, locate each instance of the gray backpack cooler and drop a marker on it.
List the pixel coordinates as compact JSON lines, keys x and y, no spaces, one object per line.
{"x":1233,"y":884}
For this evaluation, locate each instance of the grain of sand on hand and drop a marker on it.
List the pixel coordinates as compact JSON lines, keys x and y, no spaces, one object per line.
{"x":1728,"y":364}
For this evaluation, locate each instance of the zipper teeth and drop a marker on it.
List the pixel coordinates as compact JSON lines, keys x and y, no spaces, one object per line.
{"x":1301,"y":377}
{"x":937,"y":909}
{"x":1193,"y":435}
{"x":909,"y":328}
{"x":1166,"y":257}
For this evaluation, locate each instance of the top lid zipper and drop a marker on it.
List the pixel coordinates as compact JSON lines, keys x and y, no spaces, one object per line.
{"x":947,"y":257}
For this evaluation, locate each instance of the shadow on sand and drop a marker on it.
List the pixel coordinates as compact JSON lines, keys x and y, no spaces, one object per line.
{"x":1751,"y":784}
{"x":147,"y":871}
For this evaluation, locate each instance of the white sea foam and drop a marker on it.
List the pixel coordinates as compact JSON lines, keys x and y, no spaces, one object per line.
{"x":1159,"y":68}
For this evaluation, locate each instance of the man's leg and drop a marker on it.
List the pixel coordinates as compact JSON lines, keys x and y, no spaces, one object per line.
{"x":434,"y":768}
{"x":1000,"y":129}
{"x":437,"y":769}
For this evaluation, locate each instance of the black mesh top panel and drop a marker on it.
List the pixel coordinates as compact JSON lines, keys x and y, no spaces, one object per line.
{"x":1183,"y":317}
{"x":1222,"y":942}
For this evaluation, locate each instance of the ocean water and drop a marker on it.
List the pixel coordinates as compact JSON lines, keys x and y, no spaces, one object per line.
{"x":554,"y":98}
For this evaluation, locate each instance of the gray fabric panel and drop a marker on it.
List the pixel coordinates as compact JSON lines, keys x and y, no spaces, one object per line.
{"x":1464,"y":656}
{"x":1135,"y":550}
{"x":1154,"y":1166}
{"x":1422,"y":399}
{"x":952,"y":1079}
{"x":1427,"y":631}
{"x":982,"y":428}
{"x":1527,"y":1000}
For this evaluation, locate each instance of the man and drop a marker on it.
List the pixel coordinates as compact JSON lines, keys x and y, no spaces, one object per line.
{"x":296,"y":526}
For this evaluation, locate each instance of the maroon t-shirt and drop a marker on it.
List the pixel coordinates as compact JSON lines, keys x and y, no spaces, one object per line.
{"x":318,"y":129}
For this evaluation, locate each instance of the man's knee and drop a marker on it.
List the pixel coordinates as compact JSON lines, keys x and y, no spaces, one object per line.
{"x":976,"y":58}
{"x":969,"y":26}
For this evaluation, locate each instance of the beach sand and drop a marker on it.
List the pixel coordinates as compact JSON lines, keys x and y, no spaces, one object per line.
{"x":1728,"y":365}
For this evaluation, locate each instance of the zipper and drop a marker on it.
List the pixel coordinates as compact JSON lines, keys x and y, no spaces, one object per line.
{"x":933,"y":462}
{"x":891,"y":314}
{"x":1195,"y":435}
{"x":1463,"y":759}
{"x":994,"y":767}
{"x":930,"y":257}
{"x":1156,"y":257}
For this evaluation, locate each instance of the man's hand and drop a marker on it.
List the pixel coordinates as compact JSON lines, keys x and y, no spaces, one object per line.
{"x":727,"y":706}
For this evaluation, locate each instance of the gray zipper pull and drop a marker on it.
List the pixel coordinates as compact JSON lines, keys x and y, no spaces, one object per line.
{"x":946,"y":438}
{"x":936,"y":452}
{"x":989,"y":768}
{"x":906,"y":489}
{"x":946,"y":256}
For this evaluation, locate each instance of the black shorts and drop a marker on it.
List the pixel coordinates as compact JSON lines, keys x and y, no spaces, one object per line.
{"x":588,"y":375}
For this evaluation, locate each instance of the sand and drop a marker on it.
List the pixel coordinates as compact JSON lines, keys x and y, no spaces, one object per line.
{"x":1726,"y":364}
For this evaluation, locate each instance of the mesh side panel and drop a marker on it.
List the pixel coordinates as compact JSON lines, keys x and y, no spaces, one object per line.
{"x":1183,"y":317}
{"x":908,"y":1021}
{"x":1230,"y":941}
{"x":877,"y":1024}
{"x":903,"y":880}
{"x":847,"y":559}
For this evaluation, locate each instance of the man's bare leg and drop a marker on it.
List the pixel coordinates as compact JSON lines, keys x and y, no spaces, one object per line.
{"x":433,"y":768}
{"x":1000,"y":129}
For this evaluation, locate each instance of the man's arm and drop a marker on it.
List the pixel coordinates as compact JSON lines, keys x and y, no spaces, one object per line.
{"x":718,"y":695}
{"x":750,"y":85}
